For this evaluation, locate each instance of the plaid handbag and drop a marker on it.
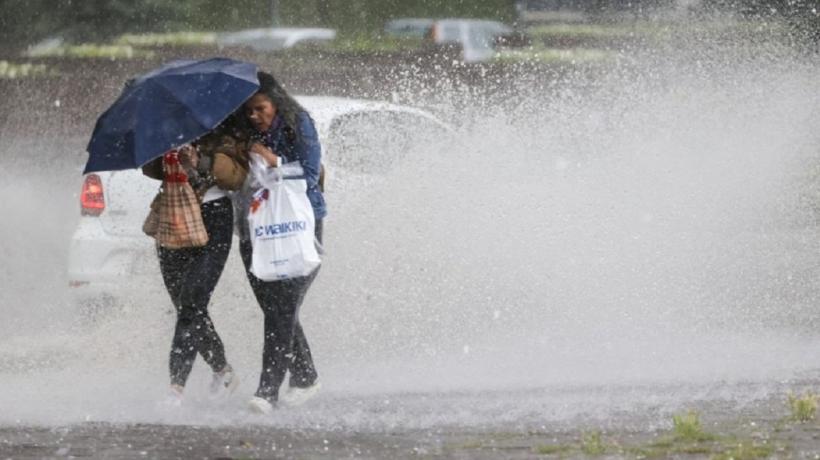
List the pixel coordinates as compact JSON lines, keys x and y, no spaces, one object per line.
{"x":151,"y":224}
{"x":179,"y":219}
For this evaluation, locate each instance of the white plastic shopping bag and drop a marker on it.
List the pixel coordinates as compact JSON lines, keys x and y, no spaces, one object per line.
{"x":281,"y":223}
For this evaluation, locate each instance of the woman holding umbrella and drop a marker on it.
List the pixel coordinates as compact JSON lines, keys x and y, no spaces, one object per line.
{"x":281,"y":132}
{"x":173,"y":105}
{"x":213,"y":166}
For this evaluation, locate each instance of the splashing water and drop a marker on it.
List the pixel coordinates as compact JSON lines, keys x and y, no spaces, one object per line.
{"x":642,"y":227}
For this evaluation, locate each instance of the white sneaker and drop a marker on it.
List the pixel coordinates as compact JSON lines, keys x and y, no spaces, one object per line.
{"x":224,"y":382}
{"x":296,"y":396}
{"x":173,"y":399}
{"x":260,"y":406}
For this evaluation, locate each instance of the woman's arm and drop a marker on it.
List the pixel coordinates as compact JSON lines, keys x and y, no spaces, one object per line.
{"x":228,"y":169}
{"x":266,"y":153}
{"x":308,"y":150}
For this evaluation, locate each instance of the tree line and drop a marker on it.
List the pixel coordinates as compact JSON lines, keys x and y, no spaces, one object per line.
{"x":26,"y":21}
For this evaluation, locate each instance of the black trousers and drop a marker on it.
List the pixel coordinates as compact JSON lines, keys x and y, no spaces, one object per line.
{"x":190,"y":276}
{"x":286,"y":347}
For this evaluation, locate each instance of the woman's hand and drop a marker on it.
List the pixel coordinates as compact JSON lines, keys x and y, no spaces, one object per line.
{"x":270,"y":158}
{"x":188,"y":156}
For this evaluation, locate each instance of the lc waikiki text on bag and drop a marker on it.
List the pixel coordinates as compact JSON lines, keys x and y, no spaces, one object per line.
{"x":175,"y":219}
{"x":281,"y":223}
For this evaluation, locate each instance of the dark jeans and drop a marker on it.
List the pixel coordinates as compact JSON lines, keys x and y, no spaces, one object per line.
{"x":286,"y":347}
{"x":190,"y":276}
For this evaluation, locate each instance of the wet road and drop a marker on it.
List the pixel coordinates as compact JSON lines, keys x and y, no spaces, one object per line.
{"x":755,"y":416}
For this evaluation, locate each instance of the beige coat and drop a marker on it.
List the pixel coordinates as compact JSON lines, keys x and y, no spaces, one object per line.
{"x":225,"y":159}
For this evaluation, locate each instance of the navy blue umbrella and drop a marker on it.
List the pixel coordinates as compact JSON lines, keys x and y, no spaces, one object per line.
{"x":168,"y":107}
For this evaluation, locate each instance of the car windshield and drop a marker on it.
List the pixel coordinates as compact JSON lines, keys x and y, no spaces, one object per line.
{"x":408,"y":27}
{"x":373,"y":141}
{"x":480,"y":37}
{"x":449,"y":32}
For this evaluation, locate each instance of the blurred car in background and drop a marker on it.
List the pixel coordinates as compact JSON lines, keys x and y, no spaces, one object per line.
{"x":275,"y":38}
{"x":408,"y":27}
{"x":108,"y":251}
{"x":476,"y":37}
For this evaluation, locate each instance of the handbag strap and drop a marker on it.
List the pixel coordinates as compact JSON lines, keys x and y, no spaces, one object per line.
{"x":295,"y":177}
{"x":172,"y":169}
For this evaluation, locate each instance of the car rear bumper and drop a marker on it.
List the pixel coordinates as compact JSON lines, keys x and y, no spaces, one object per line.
{"x":102,"y":264}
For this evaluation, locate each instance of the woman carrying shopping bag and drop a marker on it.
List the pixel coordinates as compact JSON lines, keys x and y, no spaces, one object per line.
{"x":281,"y":132}
{"x":214,"y":165}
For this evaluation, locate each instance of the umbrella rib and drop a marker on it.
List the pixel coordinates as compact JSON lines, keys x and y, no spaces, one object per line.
{"x":203,"y":129}
{"x":195,"y":115}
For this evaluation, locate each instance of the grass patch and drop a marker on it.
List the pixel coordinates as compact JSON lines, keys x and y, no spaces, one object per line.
{"x":471,"y":445}
{"x":585,"y":31}
{"x":692,"y":449}
{"x":364,"y":43}
{"x":666,"y":443}
{"x":552,"y":449}
{"x":10,"y":70}
{"x":725,"y":450}
{"x":687,"y":428}
{"x":686,"y":439}
{"x":592,"y":444}
{"x":92,"y":51}
{"x":745,"y":451}
{"x":803,"y":409}
{"x":488,"y":440}
{"x":168,"y":39}
{"x":555,"y":55}
{"x":653,"y":30}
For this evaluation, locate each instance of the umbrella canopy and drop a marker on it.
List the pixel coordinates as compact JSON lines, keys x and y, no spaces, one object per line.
{"x":168,"y":107}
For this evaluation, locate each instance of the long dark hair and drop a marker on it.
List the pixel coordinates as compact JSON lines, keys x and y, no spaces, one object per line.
{"x":286,"y":106}
{"x":236,"y":125}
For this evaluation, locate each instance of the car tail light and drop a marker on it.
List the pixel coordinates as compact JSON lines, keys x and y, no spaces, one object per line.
{"x":92,"y":200}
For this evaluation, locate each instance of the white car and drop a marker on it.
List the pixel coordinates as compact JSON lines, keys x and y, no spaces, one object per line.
{"x":108,"y":250}
{"x":275,"y":38}
{"x":477,"y":37}
{"x":409,"y":27}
